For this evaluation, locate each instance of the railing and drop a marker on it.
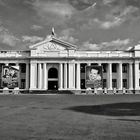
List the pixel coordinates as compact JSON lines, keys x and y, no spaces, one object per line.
{"x":104,"y":54}
{"x":82,"y":54}
{"x":14,"y":54}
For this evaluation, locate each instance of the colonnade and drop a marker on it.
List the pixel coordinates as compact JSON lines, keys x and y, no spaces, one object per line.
{"x":70,"y":76}
{"x":120,"y":76}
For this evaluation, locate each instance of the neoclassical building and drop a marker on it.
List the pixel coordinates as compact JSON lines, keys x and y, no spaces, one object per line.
{"x":54,"y":64}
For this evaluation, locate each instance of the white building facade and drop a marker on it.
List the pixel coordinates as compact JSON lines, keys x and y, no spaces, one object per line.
{"x":57,"y":65}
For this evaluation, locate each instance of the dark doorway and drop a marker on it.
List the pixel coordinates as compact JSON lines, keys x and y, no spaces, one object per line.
{"x":52,"y":79}
{"x":52,"y":85}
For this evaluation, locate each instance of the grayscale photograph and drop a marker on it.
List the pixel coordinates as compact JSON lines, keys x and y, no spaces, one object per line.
{"x":69,"y":69}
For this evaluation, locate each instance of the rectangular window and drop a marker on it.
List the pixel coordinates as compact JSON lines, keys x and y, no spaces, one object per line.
{"x":104,"y":83}
{"x":83,"y":67}
{"x":23,"y":68}
{"x":82,"y":83}
{"x":22,"y":83}
{"x":124,"y":83}
{"x":104,"y":68}
{"x":114,"y":83}
{"x":114,"y":68}
{"x":124,"y":68}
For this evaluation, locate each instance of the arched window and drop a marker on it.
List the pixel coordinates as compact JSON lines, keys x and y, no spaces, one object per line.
{"x":52,"y":73}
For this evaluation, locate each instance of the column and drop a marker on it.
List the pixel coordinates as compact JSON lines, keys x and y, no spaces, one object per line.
{"x":130,"y":76}
{"x":19,"y":78}
{"x":99,"y":64}
{"x":71,"y":75}
{"x":27,"y":76}
{"x":136,"y":67}
{"x":120,"y":77}
{"x":61,"y":76}
{"x":78,"y":77}
{"x":45,"y":76}
{"x":5,"y":74}
{"x":89,"y":64}
{"x":33,"y":76}
{"x":39,"y":76}
{"x":65,"y":76}
{"x":109,"y":79}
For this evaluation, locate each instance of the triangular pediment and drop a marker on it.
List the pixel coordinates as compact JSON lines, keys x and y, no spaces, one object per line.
{"x":53,"y":44}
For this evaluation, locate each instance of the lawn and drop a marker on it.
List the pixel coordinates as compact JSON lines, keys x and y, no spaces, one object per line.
{"x":69,"y":117}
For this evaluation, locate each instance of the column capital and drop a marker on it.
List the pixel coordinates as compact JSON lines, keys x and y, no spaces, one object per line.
{"x":130,"y":63}
{"x":119,"y":62}
{"x":78,"y":63}
{"x":136,"y":62}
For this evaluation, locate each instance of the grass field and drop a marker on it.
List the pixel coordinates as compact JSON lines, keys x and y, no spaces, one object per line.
{"x":69,"y":117}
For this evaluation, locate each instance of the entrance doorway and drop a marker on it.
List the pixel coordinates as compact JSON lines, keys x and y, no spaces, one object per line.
{"x":53,"y":79}
{"x":52,"y":85}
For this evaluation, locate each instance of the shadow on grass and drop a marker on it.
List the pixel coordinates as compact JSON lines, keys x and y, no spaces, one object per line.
{"x":116,"y":109}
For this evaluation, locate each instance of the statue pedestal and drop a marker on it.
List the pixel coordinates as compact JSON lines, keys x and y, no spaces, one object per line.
{"x":5,"y":90}
{"x":16,"y":90}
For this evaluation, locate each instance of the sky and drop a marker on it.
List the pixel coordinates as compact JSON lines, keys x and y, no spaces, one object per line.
{"x":89,"y":24}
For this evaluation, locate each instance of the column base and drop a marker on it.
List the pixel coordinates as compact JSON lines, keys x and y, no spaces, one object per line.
{"x":61,"y":89}
{"x":137,"y":91}
{"x":44,"y":89}
{"x":78,"y":89}
{"x":110,"y":89}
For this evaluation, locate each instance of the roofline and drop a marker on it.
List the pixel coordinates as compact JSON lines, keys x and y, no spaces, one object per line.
{"x":52,"y":38}
{"x":63,"y":42}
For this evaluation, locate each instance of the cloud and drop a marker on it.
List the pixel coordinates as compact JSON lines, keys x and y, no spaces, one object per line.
{"x":36,"y":27}
{"x":112,"y":17}
{"x":117,"y":44}
{"x":81,"y":4}
{"x":112,"y":45}
{"x":31,"y":39}
{"x":7,"y":37}
{"x":108,"y":2}
{"x":108,"y":24}
{"x":53,"y":12}
{"x":89,"y":46}
{"x":66,"y":35}
{"x":2,"y":3}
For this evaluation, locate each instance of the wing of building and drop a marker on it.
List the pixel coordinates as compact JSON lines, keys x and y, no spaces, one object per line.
{"x":54,"y":64}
